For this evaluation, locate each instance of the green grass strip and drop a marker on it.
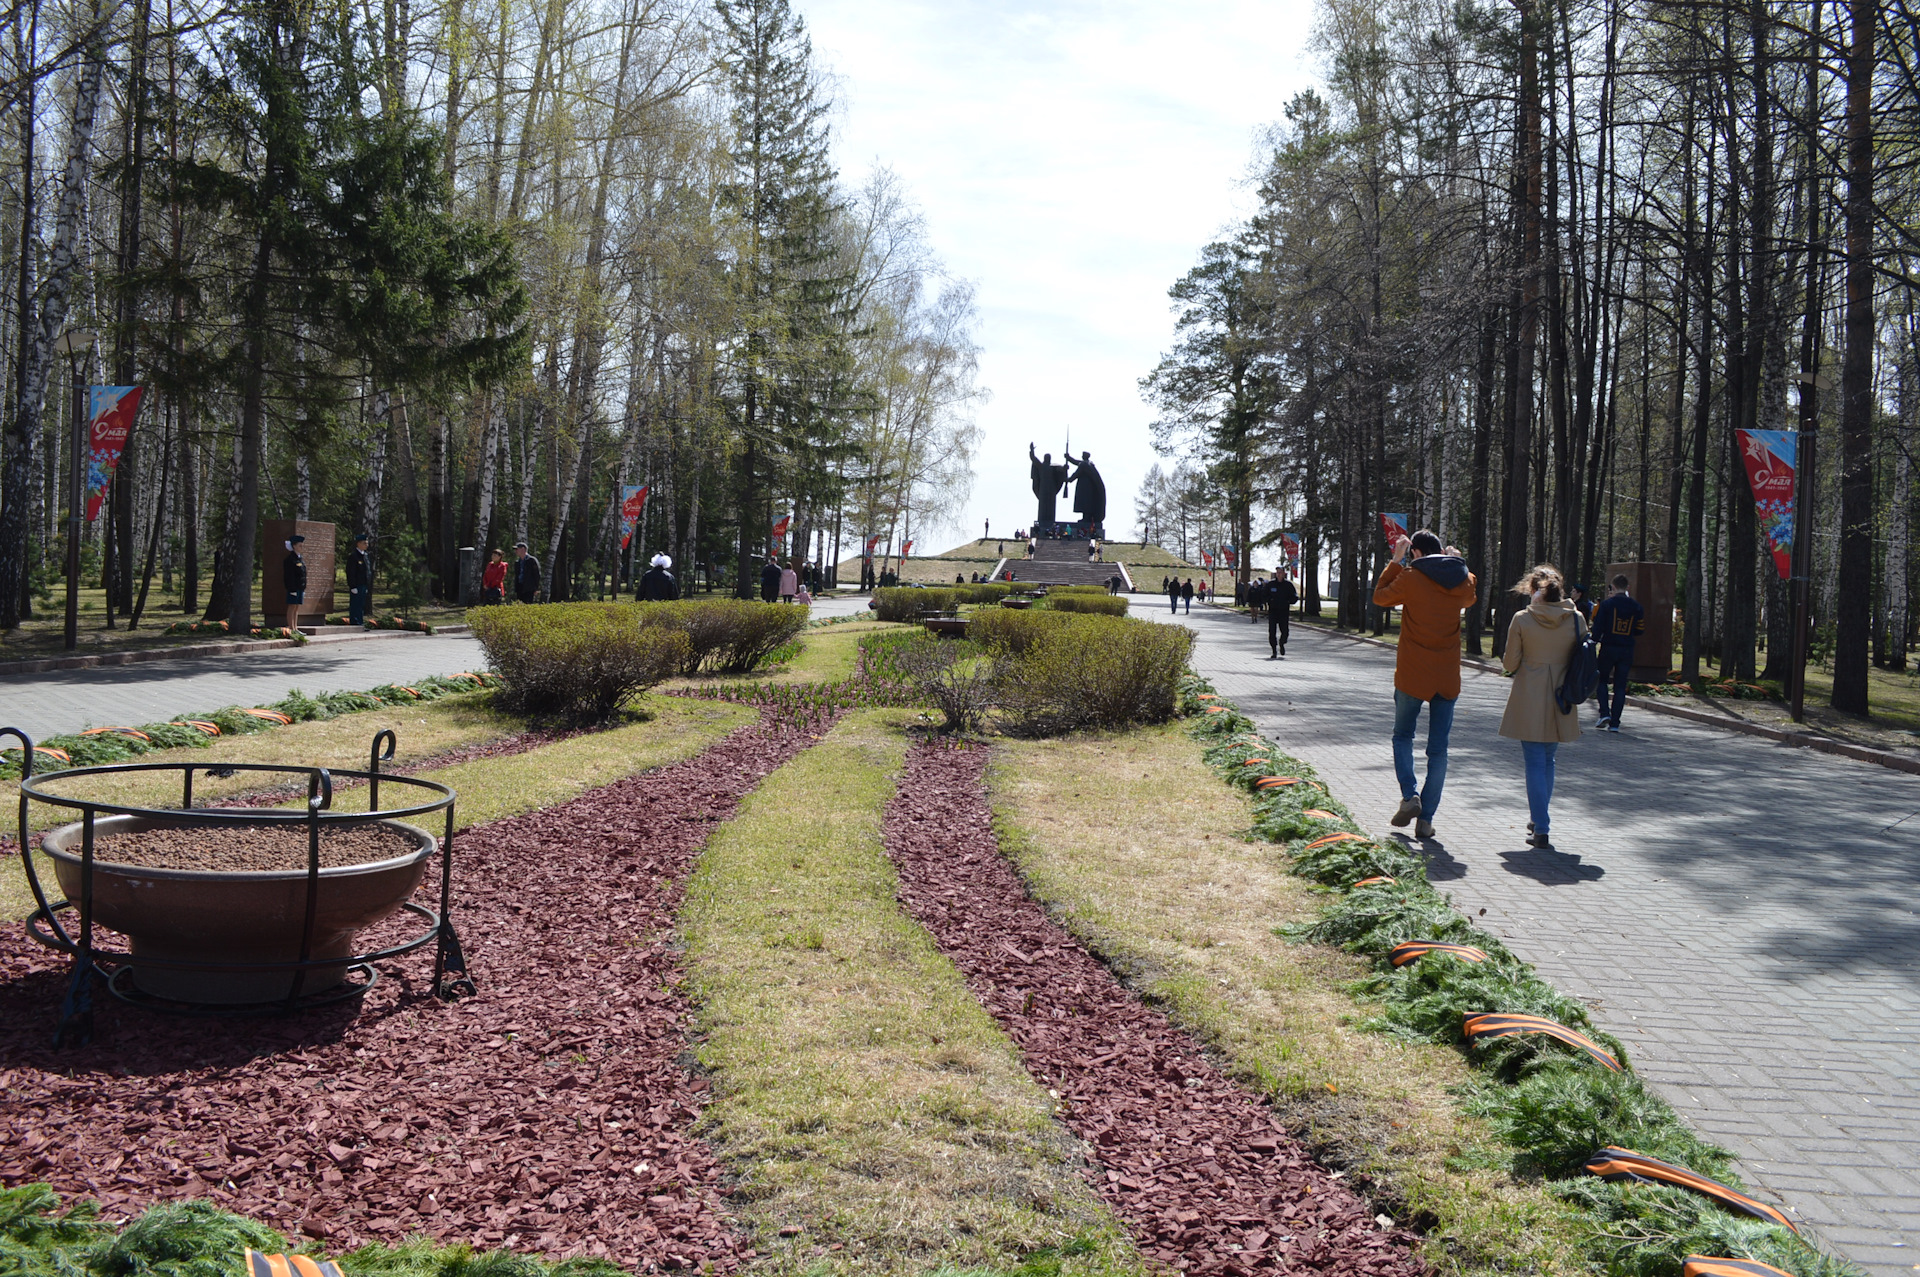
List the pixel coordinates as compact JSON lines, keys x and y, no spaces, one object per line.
{"x":1550,"y":1106}
{"x":198,"y":1239}
{"x":877,"y":1118}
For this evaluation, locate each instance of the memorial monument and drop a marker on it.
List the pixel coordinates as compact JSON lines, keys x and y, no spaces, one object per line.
{"x":1049,"y":481}
{"x":1089,"y":494}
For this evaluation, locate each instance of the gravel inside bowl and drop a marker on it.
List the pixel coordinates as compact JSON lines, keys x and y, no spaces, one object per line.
{"x":228,"y":849}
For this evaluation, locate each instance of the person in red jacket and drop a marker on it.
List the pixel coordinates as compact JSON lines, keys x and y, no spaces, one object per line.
{"x":1431,"y":586}
{"x":493,"y":578}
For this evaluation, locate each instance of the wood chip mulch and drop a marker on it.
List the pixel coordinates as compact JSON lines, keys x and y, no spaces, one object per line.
{"x":1199,"y":1169}
{"x":549,"y":1114}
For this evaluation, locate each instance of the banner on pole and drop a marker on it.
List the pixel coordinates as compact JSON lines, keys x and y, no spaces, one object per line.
{"x":1395,"y":526}
{"x":633,"y":499}
{"x":1290,"y":546}
{"x":1770,"y":456}
{"x":1206,"y":560}
{"x":871,"y":542}
{"x":1227,"y":554}
{"x":110,"y":411}
{"x":780,"y":528}
{"x":906,"y":548}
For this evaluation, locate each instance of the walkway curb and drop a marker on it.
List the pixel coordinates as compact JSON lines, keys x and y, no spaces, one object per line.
{"x":1793,"y":739}
{"x":145,"y":654}
{"x":232,"y":648}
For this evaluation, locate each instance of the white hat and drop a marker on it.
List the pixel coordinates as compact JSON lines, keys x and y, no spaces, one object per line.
{"x":662,"y":561}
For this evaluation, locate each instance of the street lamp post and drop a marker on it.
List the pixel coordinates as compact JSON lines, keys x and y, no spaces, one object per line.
{"x":74,"y":344}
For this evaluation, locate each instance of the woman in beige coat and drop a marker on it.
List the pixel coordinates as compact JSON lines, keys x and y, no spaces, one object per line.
{"x":1539,"y":642}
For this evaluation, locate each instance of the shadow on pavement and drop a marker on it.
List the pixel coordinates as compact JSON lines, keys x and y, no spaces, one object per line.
{"x":1552,"y":868}
{"x":1441,"y":866}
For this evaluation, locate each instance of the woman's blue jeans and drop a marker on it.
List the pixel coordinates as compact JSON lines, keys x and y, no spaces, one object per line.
{"x":1406,"y":713}
{"x":1539,"y":757}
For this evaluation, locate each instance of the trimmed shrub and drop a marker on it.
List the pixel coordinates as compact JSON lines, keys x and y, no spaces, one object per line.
{"x":1010,"y":632}
{"x":578,"y":661}
{"x":1055,"y":591}
{"x":906,"y":602}
{"x":727,"y":636}
{"x":1093,"y":671}
{"x":984,"y":591}
{"x":1102,"y":604}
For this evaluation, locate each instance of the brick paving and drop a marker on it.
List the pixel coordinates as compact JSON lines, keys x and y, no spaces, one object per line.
{"x":1741,"y":914}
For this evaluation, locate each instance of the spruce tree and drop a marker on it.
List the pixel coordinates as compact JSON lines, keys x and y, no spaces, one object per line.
{"x":790,"y":376}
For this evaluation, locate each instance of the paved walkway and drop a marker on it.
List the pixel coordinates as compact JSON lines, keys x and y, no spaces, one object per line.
{"x":68,"y":700}
{"x":1741,"y":914}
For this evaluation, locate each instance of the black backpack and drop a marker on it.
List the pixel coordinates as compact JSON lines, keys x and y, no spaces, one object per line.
{"x":1583,"y":669}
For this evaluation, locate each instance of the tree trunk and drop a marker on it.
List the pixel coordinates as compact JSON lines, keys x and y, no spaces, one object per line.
{"x":1854,"y":605}
{"x":36,"y":357}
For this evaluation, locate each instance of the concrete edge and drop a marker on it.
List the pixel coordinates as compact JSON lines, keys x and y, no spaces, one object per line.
{"x":1654,"y":705}
{"x":47,"y":664}
{"x":189,"y":651}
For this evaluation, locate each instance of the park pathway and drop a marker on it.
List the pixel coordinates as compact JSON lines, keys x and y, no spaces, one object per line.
{"x":1741,"y":914}
{"x":68,"y":700}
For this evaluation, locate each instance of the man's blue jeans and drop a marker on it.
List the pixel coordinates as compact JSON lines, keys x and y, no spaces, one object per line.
{"x":1616,"y":665}
{"x":1539,"y":757}
{"x":1406,"y":712}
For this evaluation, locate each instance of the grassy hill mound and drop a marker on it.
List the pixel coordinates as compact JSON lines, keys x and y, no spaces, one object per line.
{"x":980,"y":555}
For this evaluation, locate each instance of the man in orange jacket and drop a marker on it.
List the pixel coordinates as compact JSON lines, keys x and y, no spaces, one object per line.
{"x":1431,"y":586}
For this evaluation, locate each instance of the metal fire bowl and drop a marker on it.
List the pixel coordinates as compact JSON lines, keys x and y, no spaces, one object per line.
{"x":228,"y":920}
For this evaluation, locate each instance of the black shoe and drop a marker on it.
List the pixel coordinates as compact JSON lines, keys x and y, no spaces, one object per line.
{"x":1541,"y":841}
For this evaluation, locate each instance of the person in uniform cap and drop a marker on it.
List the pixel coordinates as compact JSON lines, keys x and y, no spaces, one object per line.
{"x":656,"y":583}
{"x":526,"y":574}
{"x":293,"y":575}
{"x":359,"y":580}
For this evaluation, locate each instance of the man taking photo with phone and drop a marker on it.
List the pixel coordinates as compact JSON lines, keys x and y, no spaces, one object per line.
{"x":1431,"y":586}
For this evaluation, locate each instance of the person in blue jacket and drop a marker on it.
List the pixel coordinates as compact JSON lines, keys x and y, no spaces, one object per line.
{"x":1618,"y":624}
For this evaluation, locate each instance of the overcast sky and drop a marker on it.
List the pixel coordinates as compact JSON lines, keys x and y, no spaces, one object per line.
{"x":1070,"y":158}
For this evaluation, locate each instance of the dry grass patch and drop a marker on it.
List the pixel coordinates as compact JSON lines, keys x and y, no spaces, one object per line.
{"x":827,"y":655}
{"x":862,"y":1095}
{"x":661,"y":730}
{"x":1172,"y":894}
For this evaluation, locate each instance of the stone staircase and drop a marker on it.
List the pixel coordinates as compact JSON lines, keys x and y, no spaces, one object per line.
{"x":1062,"y":563}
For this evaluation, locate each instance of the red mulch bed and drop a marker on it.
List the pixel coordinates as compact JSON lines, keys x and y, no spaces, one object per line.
{"x":1192,"y":1163}
{"x":549,"y":1114}
{"x":498,"y":747}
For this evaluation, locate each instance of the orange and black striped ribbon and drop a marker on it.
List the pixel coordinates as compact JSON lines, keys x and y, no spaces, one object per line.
{"x":1414,"y":950}
{"x":1331,"y":839}
{"x":1719,"y":1266}
{"x":259,"y":1265}
{"x":1500,"y":1024}
{"x":1617,"y":1164}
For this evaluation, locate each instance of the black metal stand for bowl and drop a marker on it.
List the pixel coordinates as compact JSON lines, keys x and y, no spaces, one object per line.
{"x":113,"y":966}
